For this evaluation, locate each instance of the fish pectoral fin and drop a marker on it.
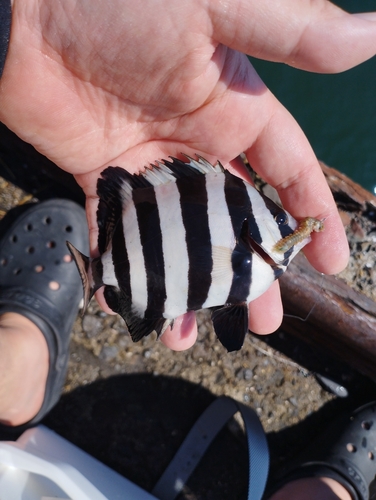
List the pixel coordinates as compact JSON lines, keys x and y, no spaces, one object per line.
{"x":222,"y":265}
{"x":231,"y":325}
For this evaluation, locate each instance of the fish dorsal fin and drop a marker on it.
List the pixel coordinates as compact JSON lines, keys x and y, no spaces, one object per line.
{"x":164,"y":171}
{"x":158,"y":174}
{"x":194,"y":167}
{"x":111,"y":189}
{"x":115,"y":187}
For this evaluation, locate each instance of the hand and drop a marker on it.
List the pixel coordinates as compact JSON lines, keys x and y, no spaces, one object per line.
{"x":98,"y":83}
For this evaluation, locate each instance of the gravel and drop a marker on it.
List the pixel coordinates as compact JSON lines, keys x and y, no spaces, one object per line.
{"x":131,"y":404}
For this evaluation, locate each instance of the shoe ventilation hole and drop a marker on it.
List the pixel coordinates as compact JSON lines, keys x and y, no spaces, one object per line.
{"x":38,"y":269}
{"x":17,"y":271}
{"x":67,"y":258}
{"x":51,"y":244}
{"x":3,"y":262}
{"x":54,"y":285}
{"x":371,"y":456}
{"x":351,"y":448}
{"x":29,"y":227}
{"x":30,"y":249}
{"x":68,"y":229}
{"x":14,"y":238}
{"x":366,"y":425}
{"x":47,"y":220}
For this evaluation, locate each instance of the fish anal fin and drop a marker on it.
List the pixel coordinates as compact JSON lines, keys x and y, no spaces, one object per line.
{"x":138,"y":327}
{"x":231,"y":325}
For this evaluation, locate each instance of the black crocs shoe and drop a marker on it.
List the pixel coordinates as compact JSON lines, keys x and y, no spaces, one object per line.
{"x":39,"y":280}
{"x":346,"y":452}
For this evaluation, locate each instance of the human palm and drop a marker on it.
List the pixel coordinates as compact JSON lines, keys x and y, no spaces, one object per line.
{"x":98,"y":83}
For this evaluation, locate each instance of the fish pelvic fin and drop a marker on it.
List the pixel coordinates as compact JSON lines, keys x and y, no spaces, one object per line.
{"x":231,"y":325}
{"x":83,"y":265}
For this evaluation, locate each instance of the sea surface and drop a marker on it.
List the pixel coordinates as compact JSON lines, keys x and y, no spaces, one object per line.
{"x":336,"y":112}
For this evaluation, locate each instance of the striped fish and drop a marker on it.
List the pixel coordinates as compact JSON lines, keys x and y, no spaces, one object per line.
{"x":179,"y":237}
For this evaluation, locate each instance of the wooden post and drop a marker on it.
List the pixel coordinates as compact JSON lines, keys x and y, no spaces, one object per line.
{"x":339,"y":317}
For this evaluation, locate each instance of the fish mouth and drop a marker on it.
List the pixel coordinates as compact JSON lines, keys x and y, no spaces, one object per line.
{"x":270,"y":237}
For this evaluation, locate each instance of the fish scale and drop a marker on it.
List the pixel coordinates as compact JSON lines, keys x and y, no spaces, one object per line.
{"x":180,"y":236}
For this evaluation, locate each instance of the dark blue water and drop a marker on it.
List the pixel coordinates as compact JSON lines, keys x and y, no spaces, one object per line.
{"x":336,"y":112}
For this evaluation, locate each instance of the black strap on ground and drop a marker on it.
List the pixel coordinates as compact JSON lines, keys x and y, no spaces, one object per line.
{"x":206,"y":428}
{"x":5,"y":21}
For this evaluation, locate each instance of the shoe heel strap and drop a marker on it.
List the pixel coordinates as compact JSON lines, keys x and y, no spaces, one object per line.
{"x":201,"y":436}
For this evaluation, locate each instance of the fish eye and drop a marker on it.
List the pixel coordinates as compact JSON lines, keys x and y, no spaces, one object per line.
{"x":281,"y":218}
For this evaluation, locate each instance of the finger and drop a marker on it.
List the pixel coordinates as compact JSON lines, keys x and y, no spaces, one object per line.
{"x":278,"y":150}
{"x":266,"y":312}
{"x":183,"y":334}
{"x":282,"y":155}
{"x":99,"y":297}
{"x":91,"y":215}
{"x":315,"y":36}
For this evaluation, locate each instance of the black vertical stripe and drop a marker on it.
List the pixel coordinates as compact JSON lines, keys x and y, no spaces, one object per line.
{"x":151,"y":241}
{"x":194,"y":207}
{"x":279,"y":215}
{"x":240,"y":207}
{"x":241,"y":260}
{"x":281,"y":218}
{"x":120,"y":259}
{"x":240,"y":210}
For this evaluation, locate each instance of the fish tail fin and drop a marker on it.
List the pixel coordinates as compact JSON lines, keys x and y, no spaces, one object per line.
{"x":83,"y":266}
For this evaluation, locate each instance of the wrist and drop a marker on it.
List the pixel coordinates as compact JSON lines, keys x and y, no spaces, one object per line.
{"x":5,"y":23}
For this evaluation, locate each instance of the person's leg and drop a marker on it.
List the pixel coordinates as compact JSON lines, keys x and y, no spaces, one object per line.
{"x":24,"y":363}
{"x":312,"y":488}
{"x":339,"y":464}
{"x":40,"y":291}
